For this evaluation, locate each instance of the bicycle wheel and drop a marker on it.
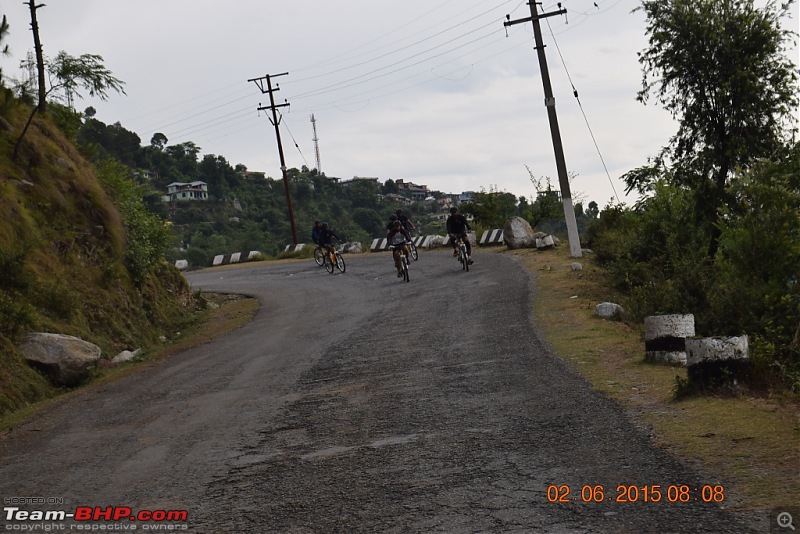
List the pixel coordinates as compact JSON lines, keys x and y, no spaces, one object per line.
{"x":328,"y":263}
{"x":340,"y":262}
{"x":462,"y":257}
{"x":405,"y":268}
{"x":319,"y":256}
{"x":413,"y":248}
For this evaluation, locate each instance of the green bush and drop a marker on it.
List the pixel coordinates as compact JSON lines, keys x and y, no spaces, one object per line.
{"x":147,"y":237}
{"x":656,"y":254}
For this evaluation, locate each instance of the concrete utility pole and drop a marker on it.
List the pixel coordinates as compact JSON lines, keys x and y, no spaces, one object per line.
{"x":276,"y":122}
{"x":550,"y":103}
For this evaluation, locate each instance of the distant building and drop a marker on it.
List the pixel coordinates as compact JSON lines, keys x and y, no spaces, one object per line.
{"x":466,"y":196}
{"x":180,"y":191}
{"x":144,"y":174}
{"x":355,"y":179}
{"x":253,"y":174}
{"x":418,"y":192}
{"x":400,"y":199}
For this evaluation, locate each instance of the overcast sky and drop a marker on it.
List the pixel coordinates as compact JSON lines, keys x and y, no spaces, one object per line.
{"x":437,"y":92}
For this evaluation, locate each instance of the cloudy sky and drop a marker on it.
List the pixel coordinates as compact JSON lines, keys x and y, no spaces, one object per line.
{"x":437,"y":92}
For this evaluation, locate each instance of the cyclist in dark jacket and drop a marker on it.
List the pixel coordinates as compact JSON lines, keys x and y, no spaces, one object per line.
{"x":315,"y":233}
{"x":457,"y":226}
{"x":398,"y":236}
{"x":326,"y":237}
{"x":405,"y":221}
{"x":390,"y":224}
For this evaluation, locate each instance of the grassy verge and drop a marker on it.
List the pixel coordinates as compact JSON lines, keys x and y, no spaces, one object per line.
{"x":750,"y":444}
{"x":225,"y":314}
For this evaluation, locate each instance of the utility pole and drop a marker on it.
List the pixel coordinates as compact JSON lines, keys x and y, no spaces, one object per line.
{"x":316,"y":143}
{"x":550,"y":103}
{"x":276,"y":122}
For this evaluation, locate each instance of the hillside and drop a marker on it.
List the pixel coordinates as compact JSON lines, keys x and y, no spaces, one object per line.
{"x":66,"y":261}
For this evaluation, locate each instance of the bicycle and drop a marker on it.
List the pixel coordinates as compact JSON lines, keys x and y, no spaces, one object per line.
{"x":334,"y":259}
{"x":463,"y":256}
{"x":404,"y":262}
{"x":319,"y":256}
{"x":413,"y":250}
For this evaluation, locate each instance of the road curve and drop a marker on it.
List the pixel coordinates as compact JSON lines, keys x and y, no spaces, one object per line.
{"x":358,"y":403}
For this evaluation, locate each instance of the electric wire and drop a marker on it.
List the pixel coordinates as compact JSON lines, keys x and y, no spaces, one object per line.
{"x":293,"y":139}
{"x":390,"y":32}
{"x":586,"y":120}
{"x":429,"y":37}
{"x":340,"y":85}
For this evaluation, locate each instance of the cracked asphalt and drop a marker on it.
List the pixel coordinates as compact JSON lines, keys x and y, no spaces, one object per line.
{"x":358,"y":403}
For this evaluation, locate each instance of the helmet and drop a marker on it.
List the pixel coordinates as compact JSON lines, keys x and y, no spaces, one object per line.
{"x":396,"y":224}
{"x":453,"y":210}
{"x":316,"y":223}
{"x":399,"y":212}
{"x":324,"y":225}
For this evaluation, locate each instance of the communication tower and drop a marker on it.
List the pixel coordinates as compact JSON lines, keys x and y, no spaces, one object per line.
{"x":316,"y":143}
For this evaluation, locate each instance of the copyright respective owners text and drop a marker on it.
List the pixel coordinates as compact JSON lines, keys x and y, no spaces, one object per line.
{"x":57,"y":514}
{"x":784,"y":519}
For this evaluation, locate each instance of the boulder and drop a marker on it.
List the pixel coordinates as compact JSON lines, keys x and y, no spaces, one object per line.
{"x":66,"y":360}
{"x":609,"y":310}
{"x":352,"y":247}
{"x":544,"y":241}
{"x":125,"y":356}
{"x":517,"y":233}
{"x":437,"y":241}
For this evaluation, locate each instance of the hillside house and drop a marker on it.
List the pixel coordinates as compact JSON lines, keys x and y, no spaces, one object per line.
{"x":180,"y":191}
{"x":418,"y":192}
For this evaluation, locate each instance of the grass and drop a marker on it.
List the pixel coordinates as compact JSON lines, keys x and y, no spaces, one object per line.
{"x":750,"y":444}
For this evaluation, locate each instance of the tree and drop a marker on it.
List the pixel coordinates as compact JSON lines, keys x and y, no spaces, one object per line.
{"x":3,"y":48}
{"x":390,"y":186}
{"x":719,"y":67}
{"x":87,"y":72}
{"x":37,"y":45}
{"x":159,"y":140}
{"x":69,"y":73}
{"x":492,"y":209}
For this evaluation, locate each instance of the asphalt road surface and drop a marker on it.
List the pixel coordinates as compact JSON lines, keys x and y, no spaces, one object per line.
{"x":358,"y":403}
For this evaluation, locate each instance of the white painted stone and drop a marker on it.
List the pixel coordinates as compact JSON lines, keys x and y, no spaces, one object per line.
{"x":658,"y":326}
{"x":716,"y":348}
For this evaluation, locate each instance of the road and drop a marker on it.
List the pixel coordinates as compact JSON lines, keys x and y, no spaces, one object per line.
{"x":358,"y":403}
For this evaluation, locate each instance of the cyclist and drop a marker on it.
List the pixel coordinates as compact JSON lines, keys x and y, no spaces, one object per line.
{"x":457,"y":226}
{"x":397,"y":239}
{"x":405,"y":221}
{"x":315,"y":233}
{"x":390,"y":224}
{"x":326,"y":237}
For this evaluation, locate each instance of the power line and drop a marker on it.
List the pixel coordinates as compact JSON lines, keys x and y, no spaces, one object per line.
{"x":586,"y":120}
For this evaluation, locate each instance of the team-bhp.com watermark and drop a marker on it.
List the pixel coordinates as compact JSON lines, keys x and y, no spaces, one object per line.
{"x":86,"y":518}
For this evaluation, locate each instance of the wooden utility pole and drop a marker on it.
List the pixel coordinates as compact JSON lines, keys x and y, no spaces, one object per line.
{"x":550,"y":103}
{"x":275,"y":120}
